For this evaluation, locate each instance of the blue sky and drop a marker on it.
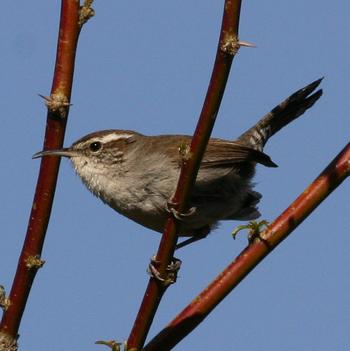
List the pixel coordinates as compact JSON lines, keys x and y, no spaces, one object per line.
{"x":145,"y":66}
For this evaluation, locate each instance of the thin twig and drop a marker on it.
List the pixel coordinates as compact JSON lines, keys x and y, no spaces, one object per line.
{"x":337,"y":171}
{"x":58,"y":108}
{"x":227,"y":48}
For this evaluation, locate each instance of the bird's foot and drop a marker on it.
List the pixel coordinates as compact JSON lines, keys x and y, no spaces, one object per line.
{"x":171,"y":208}
{"x":254,"y":229}
{"x":170,"y":275}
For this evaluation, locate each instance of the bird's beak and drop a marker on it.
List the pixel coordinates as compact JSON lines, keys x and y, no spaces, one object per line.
{"x":65,"y":152}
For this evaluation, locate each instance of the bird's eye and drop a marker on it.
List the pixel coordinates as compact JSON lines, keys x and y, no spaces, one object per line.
{"x":95,"y":146}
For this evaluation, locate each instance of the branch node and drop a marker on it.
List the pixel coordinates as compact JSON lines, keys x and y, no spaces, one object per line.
{"x":185,"y":153}
{"x":34,"y":262}
{"x":57,"y":104}
{"x":8,"y":342}
{"x":4,"y":301}
{"x":254,"y":230}
{"x":112,"y":344}
{"x":230,"y":44}
{"x":86,"y":12}
{"x":170,"y":275}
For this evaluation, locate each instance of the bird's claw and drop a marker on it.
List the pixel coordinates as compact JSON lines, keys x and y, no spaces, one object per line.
{"x":170,"y":272}
{"x":170,"y":207}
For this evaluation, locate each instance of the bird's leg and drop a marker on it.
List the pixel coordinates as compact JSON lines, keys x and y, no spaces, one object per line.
{"x":199,"y":235}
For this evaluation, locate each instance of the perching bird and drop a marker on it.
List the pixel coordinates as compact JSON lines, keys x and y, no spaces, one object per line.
{"x":137,"y":175}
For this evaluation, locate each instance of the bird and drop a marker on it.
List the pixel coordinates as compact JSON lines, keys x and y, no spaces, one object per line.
{"x":137,"y":175}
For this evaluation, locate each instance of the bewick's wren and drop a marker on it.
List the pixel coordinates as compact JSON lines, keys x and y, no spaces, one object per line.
{"x":137,"y":175}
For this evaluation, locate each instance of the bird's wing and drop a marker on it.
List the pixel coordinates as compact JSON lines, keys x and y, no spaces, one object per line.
{"x":222,"y":153}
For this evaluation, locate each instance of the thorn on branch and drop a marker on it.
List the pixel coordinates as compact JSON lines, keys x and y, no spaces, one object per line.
{"x":85,"y":12}
{"x":4,"y":301}
{"x":7,"y":342}
{"x":112,"y":344}
{"x":247,"y":44}
{"x":57,"y":104}
{"x":34,"y":262}
{"x":230,"y":44}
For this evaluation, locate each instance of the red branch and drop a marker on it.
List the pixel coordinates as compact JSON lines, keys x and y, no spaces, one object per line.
{"x":227,"y":48}
{"x":58,"y":107}
{"x":210,"y":297}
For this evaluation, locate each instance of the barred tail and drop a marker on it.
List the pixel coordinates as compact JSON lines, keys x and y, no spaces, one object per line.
{"x":284,"y":113}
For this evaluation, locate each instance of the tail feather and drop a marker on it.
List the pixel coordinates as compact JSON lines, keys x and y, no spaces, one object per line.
{"x":284,"y":113}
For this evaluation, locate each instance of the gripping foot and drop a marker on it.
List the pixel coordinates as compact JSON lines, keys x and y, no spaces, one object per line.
{"x":170,"y":207}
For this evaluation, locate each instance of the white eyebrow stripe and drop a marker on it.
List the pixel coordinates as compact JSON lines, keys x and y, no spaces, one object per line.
{"x":114,"y":137}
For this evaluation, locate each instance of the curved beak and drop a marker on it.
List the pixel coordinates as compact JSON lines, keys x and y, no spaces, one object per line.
{"x":65,"y":152}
